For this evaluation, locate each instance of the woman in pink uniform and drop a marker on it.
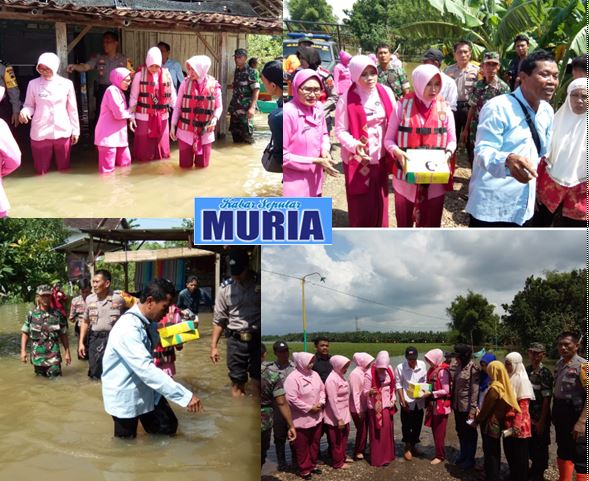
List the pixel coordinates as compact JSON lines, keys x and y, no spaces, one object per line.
{"x":110,"y":136}
{"x":196,"y":113}
{"x":341,"y":73}
{"x":9,"y":159}
{"x":337,"y":410}
{"x":361,"y":119}
{"x":379,"y":387}
{"x":305,"y":148}
{"x":439,"y":401}
{"x":359,"y":402}
{"x":305,"y":394}
{"x":51,"y":104}
{"x":152,"y":94}
{"x":421,"y":120}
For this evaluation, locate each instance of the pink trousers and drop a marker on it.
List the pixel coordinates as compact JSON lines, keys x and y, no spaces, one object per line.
{"x":306,"y":446}
{"x":148,"y":148}
{"x":44,"y":150}
{"x":109,"y":157}
{"x":188,"y":158}
{"x":361,"y":433}
{"x":431,"y":212}
{"x":338,"y":442}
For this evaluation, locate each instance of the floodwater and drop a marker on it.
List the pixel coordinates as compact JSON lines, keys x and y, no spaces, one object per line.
{"x":149,"y":189}
{"x":57,"y":430}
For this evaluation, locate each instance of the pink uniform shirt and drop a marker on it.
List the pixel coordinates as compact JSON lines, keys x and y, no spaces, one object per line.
{"x":9,"y":158}
{"x":358,"y":398}
{"x":111,"y":129}
{"x":387,"y":384}
{"x":337,"y":391}
{"x":304,"y":389}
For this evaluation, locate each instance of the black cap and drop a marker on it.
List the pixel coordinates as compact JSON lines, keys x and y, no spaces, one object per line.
{"x":411,"y":353}
{"x":433,"y":54}
{"x":279,"y":346}
{"x":272,"y":71}
{"x":238,"y":261}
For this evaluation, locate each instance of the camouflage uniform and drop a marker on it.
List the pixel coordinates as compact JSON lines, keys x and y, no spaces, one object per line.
{"x":8,"y":81}
{"x":542,"y":382}
{"x":271,"y":388}
{"x":395,"y":78}
{"x":245,"y":82}
{"x":44,"y":329}
{"x":481,"y":93}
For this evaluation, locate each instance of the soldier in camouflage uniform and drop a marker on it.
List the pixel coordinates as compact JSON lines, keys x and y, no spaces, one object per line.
{"x":8,"y":81}
{"x":391,"y":75}
{"x":242,"y":107}
{"x":542,"y":382}
{"x":272,"y":392}
{"x":45,"y":327}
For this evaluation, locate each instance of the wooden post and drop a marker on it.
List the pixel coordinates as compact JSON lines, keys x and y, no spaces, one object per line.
{"x":223,"y":80}
{"x":61,"y":43}
{"x":78,"y":38}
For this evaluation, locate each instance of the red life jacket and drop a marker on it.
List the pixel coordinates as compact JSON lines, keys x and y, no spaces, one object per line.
{"x":150,"y":97}
{"x":197,"y":110}
{"x":439,"y":404}
{"x":417,"y":133}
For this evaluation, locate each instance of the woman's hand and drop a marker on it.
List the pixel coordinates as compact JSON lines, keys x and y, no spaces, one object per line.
{"x":212,"y":125}
{"x":361,"y":151}
{"x":173,"y":134}
{"x":132,"y":125}
{"x":74,"y":139}
{"x":24,"y":118}
{"x":401,"y":157}
{"x":327,"y":163}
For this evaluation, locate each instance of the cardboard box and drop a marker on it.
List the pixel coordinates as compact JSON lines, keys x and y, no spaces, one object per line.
{"x":179,"y":338}
{"x":426,"y":166}
{"x":415,"y":390}
{"x":178,"y":328}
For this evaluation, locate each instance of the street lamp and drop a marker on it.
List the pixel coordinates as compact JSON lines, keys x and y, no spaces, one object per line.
{"x":304,"y":309}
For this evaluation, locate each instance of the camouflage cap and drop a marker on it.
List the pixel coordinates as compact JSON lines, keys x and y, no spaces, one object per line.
{"x":537,"y":347}
{"x":491,"y":57}
{"x":240,"y":52}
{"x":43,"y":289}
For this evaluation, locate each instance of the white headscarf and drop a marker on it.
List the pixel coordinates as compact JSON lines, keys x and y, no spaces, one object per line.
{"x":519,"y":377}
{"x":567,"y":161}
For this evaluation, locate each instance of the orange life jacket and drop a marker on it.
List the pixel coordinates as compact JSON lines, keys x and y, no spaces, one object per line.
{"x":198,"y":110}
{"x":149,"y":99}
{"x":440,"y":404}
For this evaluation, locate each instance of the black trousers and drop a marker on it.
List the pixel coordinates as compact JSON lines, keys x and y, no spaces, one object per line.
{"x":544,"y":218}
{"x":411,"y":422}
{"x":243,"y":359}
{"x":161,"y":420}
{"x":538,"y":451}
{"x":481,"y":223}
{"x":96,"y":345}
{"x":516,"y":453}
{"x":266,"y":437}
{"x":564,"y":417}
{"x":467,"y":437}
{"x":492,"y":456}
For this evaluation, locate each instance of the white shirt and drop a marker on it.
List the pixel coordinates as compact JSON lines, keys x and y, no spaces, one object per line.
{"x":404,"y":374}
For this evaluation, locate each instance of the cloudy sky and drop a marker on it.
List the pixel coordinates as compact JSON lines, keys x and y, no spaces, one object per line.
{"x":417,"y":271}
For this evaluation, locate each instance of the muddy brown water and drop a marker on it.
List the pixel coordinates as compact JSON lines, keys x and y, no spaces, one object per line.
{"x":57,"y":430}
{"x":147,"y":189}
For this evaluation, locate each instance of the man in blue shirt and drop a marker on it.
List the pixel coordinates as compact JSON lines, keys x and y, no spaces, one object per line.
{"x":133,"y":389}
{"x":172,"y":65}
{"x":190,"y":297}
{"x":502,"y":190}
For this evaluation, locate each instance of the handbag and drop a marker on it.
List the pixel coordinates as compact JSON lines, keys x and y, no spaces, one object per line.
{"x":270,"y":162}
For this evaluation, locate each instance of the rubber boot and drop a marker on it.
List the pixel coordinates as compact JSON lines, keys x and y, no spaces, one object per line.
{"x":565,"y":469}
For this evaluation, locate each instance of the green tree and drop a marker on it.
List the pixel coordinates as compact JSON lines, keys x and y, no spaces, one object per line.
{"x":28,"y":258}
{"x":264,"y":47}
{"x":473,"y":318}
{"x":311,"y":11}
{"x":546,"y":306}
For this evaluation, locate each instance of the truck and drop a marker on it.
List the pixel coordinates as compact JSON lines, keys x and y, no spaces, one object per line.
{"x":322,"y":42}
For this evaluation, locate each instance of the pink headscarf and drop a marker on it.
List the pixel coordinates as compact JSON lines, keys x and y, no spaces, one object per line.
{"x":344,"y":58}
{"x":153,"y":57}
{"x":338,"y":363}
{"x":302,"y":360}
{"x":50,"y":60}
{"x":300,"y":78}
{"x":435,"y":357}
{"x":201,"y":65}
{"x":421,"y":77}
{"x":358,"y":64}
{"x":118,"y":75}
{"x":382,"y":360}
{"x":362,"y":360}
{"x":373,"y":57}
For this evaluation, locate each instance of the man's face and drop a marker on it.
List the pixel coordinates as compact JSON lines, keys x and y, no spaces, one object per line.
{"x":165,"y":54}
{"x":412,"y":363}
{"x":155,"y":310}
{"x":384,"y":56}
{"x":542,"y":82}
{"x":567,"y":347}
{"x":323,"y":348}
{"x":240,"y":60}
{"x":535,"y":357}
{"x":462,"y":55}
{"x":490,"y":70}
{"x":282,"y":356}
{"x":192,"y":286}
{"x":85,"y":292}
{"x":109,"y":45}
{"x":521,"y":48}
{"x":100,"y":285}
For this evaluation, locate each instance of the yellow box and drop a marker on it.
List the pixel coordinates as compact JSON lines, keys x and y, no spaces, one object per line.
{"x":426,"y":166}
{"x":415,"y":390}
{"x":179,"y":338}
{"x":179,"y":328}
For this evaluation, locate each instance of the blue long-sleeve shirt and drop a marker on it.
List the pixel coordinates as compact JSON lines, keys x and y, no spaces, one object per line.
{"x":494,"y":195}
{"x":175,"y":70}
{"x":131,"y":384}
{"x":186,"y":300}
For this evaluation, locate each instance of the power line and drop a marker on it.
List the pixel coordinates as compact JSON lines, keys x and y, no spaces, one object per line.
{"x":363,"y":299}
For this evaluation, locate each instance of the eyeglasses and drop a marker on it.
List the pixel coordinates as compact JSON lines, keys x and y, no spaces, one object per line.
{"x":309,"y":91}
